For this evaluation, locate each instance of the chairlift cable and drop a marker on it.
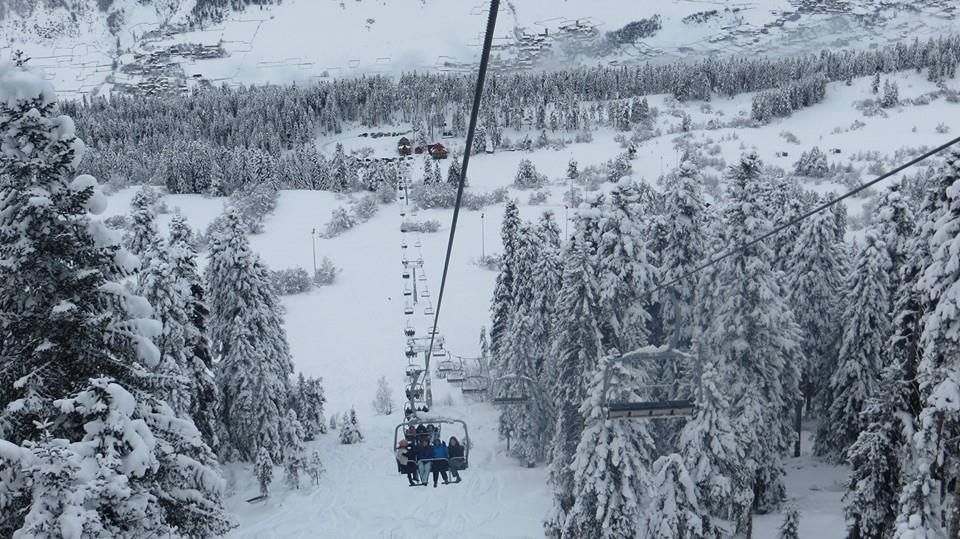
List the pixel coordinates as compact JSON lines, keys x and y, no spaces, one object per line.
{"x":474,"y":113}
{"x":795,"y":221}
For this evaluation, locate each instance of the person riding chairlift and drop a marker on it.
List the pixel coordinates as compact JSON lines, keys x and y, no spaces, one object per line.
{"x":455,"y":458}
{"x":440,"y":462}
{"x":424,"y":458}
{"x":406,"y":462}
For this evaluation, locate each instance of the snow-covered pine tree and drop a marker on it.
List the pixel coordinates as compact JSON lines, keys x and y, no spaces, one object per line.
{"x":623,"y":271}
{"x":611,"y":464}
{"x":815,"y":284}
{"x":866,"y":327}
{"x":673,"y":512}
{"x":453,"y":172}
{"x":755,"y":338}
{"x":572,"y":172}
{"x":871,"y":501}
{"x":936,"y":459}
{"x":502,"y":305}
{"x":790,"y":529}
{"x":143,"y":226}
{"x":529,"y":424}
{"x":547,"y":279}
{"x":247,"y":335}
{"x":58,"y":494}
{"x":350,"y":428}
{"x":160,"y":286}
{"x":684,"y":249}
{"x":383,"y":402}
{"x":92,"y":330}
{"x":308,"y":400}
{"x":714,"y":458}
{"x":480,"y":140}
{"x":896,"y":225}
{"x":294,"y":458}
{"x":263,"y":469}
{"x":577,"y":350}
{"x":812,"y":164}
{"x":437,"y":175}
{"x":204,"y":394}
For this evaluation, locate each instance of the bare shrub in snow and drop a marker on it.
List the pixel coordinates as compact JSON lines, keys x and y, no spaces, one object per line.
{"x":538,"y":197}
{"x":573,"y":197}
{"x":386,"y":193}
{"x":789,"y":137}
{"x":365,"y":208}
{"x":421,"y":226}
{"x":584,"y":136}
{"x":489,"y":262}
{"x":291,"y":281}
{"x":943,"y":128}
{"x":326,"y":274}
{"x":340,"y":221}
{"x":118,"y":222}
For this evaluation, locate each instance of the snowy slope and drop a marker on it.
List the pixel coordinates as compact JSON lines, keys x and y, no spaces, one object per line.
{"x":351,"y":333}
{"x":304,"y":40}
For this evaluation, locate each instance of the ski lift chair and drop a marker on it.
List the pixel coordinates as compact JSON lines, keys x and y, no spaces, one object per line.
{"x":403,"y":245}
{"x":425,"y":293}
{"x":428,"y":310}
{"x":675,"y":406}
{"x":407,"y":291}
{"x":508,"y":391}
{"x":408,"y":309}
{"x":410,"y":352}
{"x":399,"y":433}
{"x":456,"y":377}
{"x":418,"y":244}
{"x":422,"y":276}
{"x":406,"y":274}
{"x":474,"y":385}
{"x":409,"y":331}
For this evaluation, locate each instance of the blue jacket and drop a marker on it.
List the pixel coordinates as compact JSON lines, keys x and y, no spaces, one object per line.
{"x":424,"y":453}
{"x":440,"y":452}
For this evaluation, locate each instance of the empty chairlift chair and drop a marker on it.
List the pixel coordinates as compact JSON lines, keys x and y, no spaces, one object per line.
{"x":408,"y":309}
{"x":406,"y":274}
{"x":428,"y":310}
{"x":514,"y":389}
{"x":407,"y":291}
{"x":677,"y":404}
{"x":425,"y":292}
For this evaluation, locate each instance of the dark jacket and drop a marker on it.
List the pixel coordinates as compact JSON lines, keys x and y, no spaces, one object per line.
{"x":424,"y":453}
{"x":455,"y":451}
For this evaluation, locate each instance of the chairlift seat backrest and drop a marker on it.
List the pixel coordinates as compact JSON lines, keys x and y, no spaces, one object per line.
{"x":652,"y":409}
{"x":516,"y":399}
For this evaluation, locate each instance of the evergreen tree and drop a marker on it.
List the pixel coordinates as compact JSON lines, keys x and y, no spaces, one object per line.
{"x":263,"y":469}
{"x":685,"y":248}
{"x":294,"y":459}
{"x":572,"y":172}
{"x":874,"y":484}
{"x":814,"y":286}
{"x":383,"y":403}
{"x":714,"y":458}
{"x":75,"y":344}
{"x":350,"y":428}
{"x":198,"y":367}
{"x":756,"y":339}
{"x":611,"y":464}
{"x":790,"y":529}
{"x":308,"y":400}
{"x":502,"y":304}
{"x":891,"y":94}
{"x":247,"y":334}
{"x":453,"y":172}
{"x":896,"y":225}
{"x":577,"y":349}
{"x":936,"y":458}
{"x":673,"y":512}
{"x":480,"y":140}
{"x":812,"y":164}
{"x":624,"y":271}
{"x":143,"y":226}
{"x":866,"y":325}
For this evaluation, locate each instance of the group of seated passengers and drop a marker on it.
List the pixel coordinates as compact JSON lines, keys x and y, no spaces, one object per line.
{"x":422,"y":451}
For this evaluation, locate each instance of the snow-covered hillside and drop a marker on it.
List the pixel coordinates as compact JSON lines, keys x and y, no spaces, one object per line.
{"x":305,"y":40}
{"x":351,"y":333}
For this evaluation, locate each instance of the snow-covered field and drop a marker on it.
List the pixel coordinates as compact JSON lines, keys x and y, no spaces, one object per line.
{"x":350,"y":333}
